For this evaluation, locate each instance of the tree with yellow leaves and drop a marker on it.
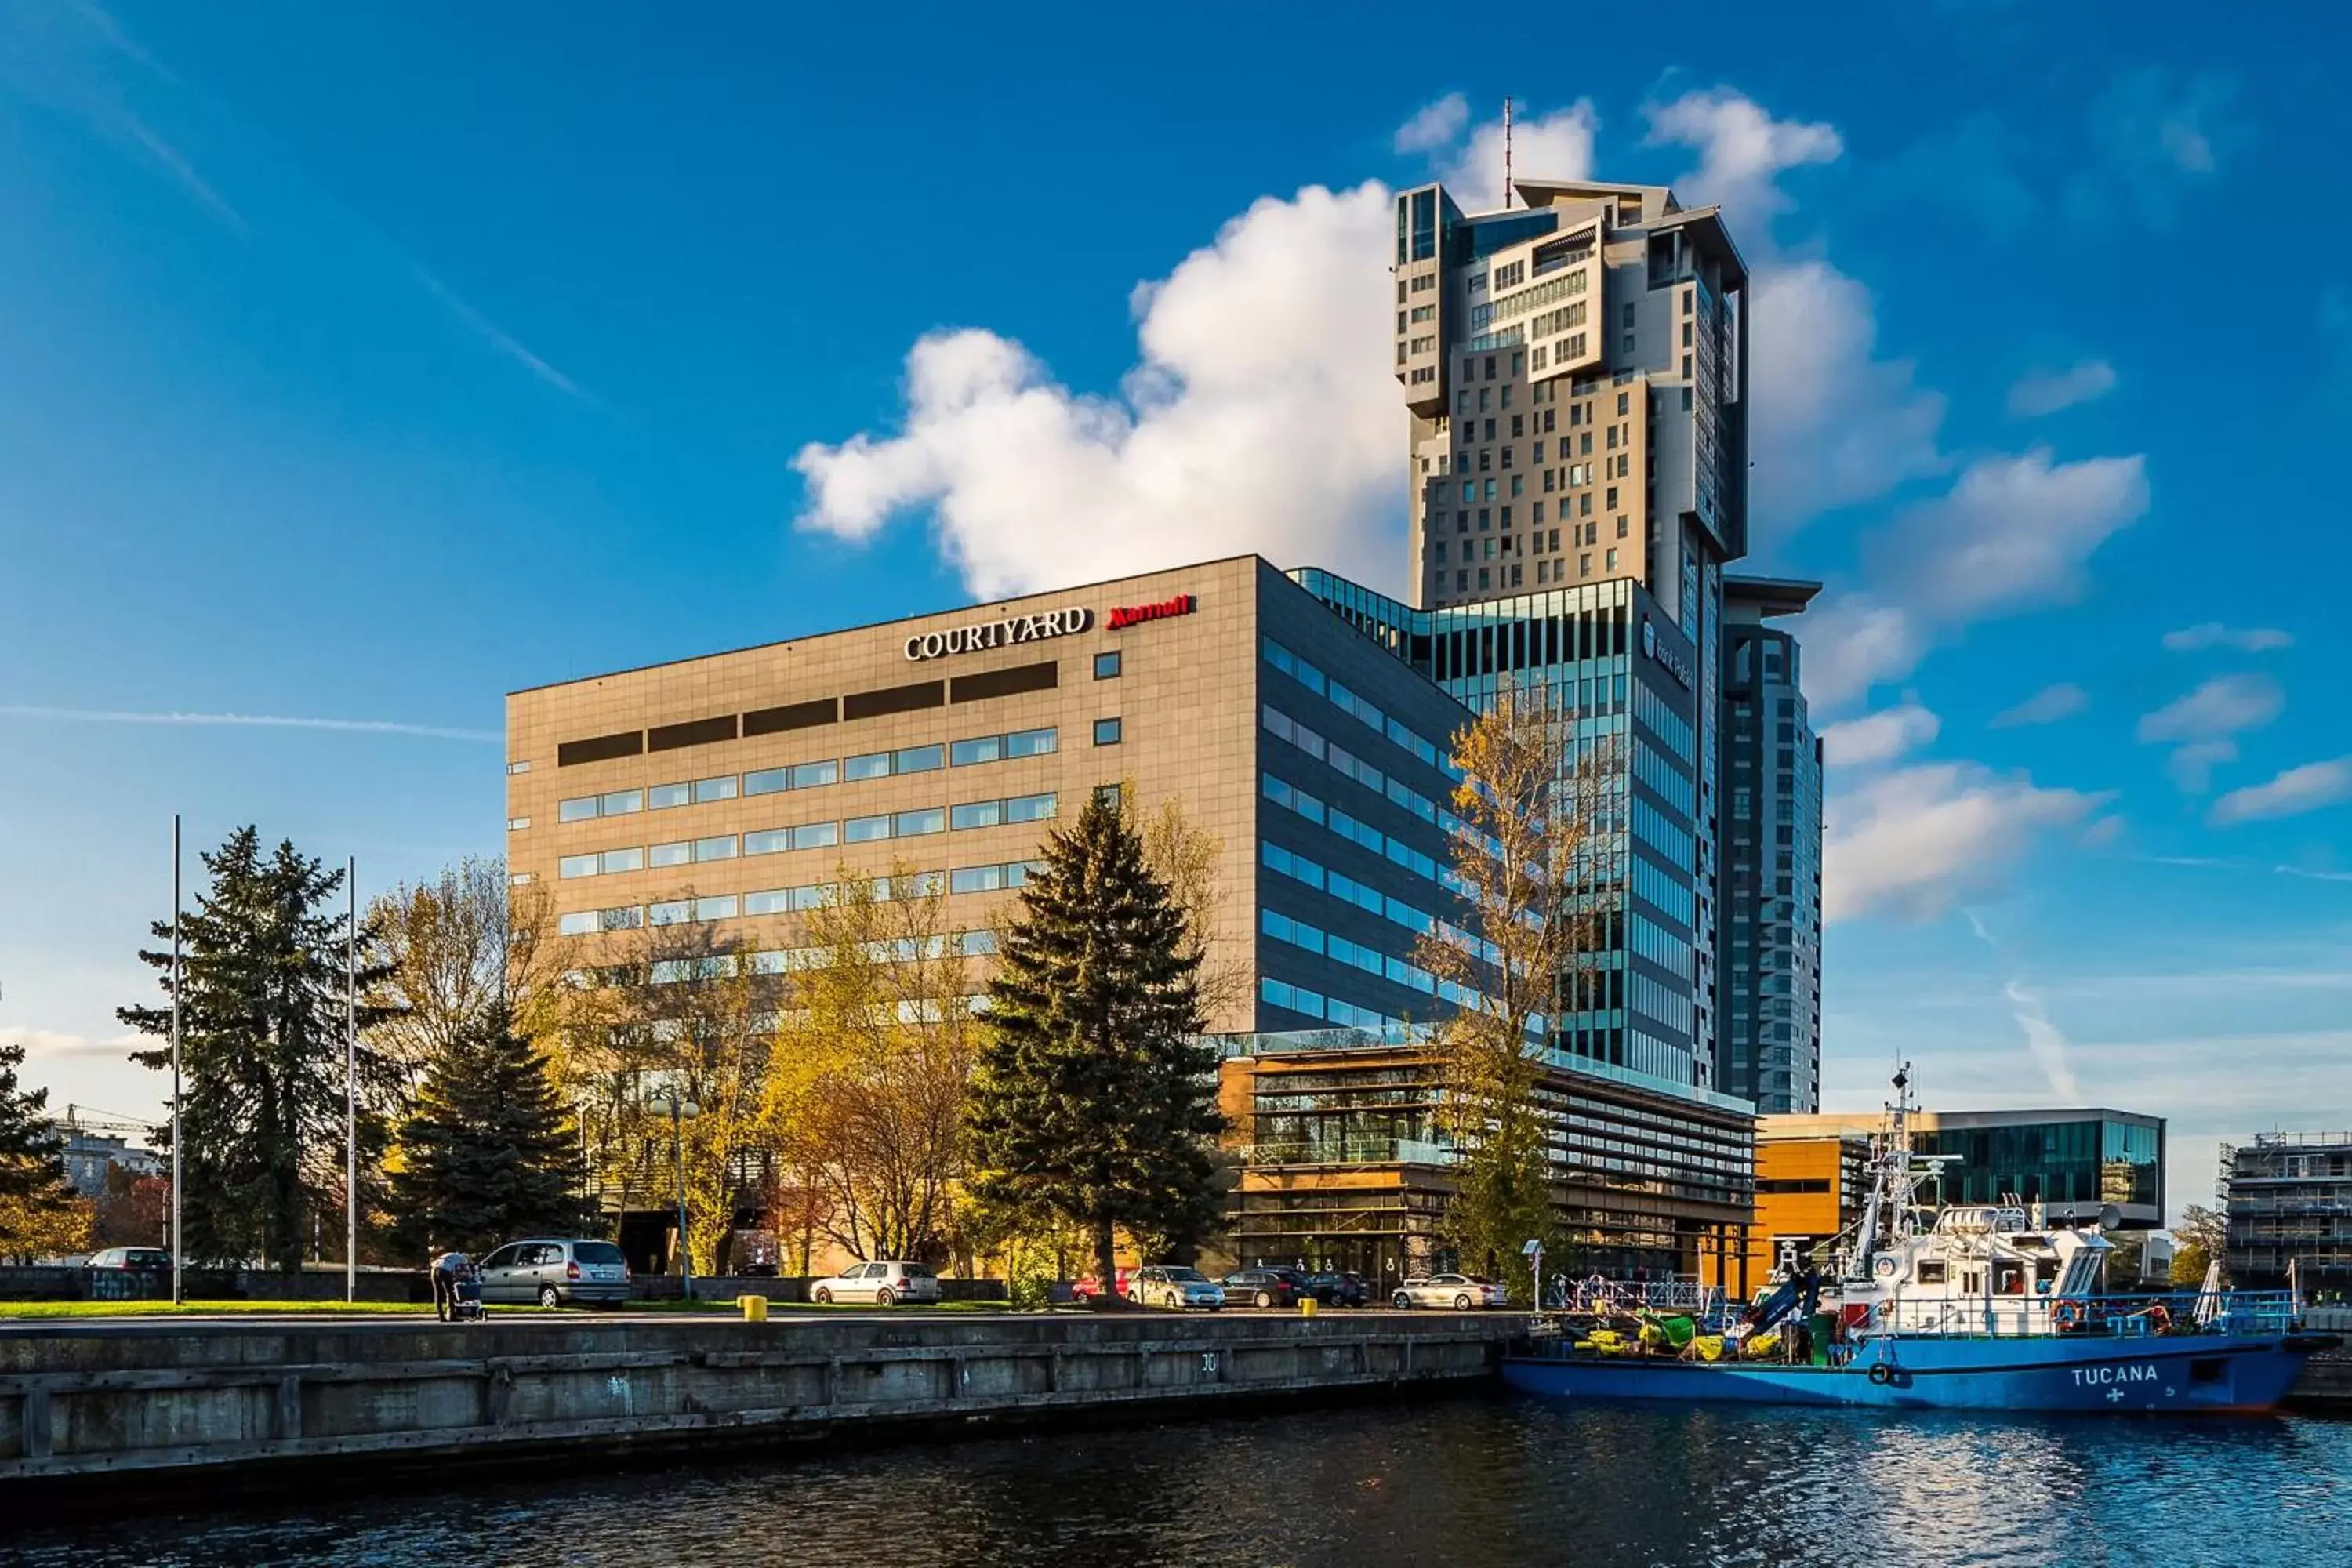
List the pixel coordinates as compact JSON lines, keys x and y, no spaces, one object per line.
{"x":865,"y":1096}
{"x":1528,"y":827}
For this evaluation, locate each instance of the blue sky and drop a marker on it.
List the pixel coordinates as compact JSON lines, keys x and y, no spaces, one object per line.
{"x":360,"y":363}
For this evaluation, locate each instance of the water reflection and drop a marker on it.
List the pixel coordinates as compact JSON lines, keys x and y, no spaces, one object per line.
{"x":1450,"y":1482}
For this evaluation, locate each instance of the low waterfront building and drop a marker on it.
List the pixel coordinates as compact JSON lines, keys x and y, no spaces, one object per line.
{"x":1811,"y":1185}
{"x":2073,"y":1164}
{"x":2288,"y":1196}
{"x":733,"y":794}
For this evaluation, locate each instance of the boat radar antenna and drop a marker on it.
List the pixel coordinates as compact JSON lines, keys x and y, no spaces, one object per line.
{"x":1507,"y":154}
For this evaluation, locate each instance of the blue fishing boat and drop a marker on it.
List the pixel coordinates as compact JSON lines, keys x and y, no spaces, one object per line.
{"x":1978,"y":1307}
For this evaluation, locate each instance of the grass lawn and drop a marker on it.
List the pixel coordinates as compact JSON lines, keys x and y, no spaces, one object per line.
{"x":21,"y":1309}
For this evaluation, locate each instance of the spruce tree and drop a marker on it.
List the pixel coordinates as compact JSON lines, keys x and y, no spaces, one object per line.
{"x":1094,"y":1098}
{"x":262,"y":1074}
{"x":34,"y":1194}
{"x":488,"y":1154}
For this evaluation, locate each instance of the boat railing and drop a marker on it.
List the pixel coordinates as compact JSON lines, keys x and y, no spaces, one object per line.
{"x":1680,"y":1293}
{"x":2118,"y":1316}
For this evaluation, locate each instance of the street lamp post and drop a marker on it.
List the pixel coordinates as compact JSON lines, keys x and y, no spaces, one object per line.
{"x":681,"y":1111}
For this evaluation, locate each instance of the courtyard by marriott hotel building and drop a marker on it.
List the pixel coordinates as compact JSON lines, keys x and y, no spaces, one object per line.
{"x":735,"y":791}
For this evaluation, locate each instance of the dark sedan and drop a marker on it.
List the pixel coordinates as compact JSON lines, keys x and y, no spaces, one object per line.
{"x":1340,"y":1289}
{"x":1264,"y":1288}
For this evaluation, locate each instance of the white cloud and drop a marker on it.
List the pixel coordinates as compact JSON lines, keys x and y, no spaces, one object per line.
{"x":2201,"y":722}
{"x":51,"y":1043}
{"x":1554,"y":146}
{"x":1743,"y":150}
{"x":1916,"y":840}
{"x":1832,"y":424}
{"x":2292,"y":793}
{"x":1879,"y":737}
{"x":2225,"y":705}
{"x":2213,"y":633}
{"x":1261,"y":416}
{"x":1435,"y":126}
{"x":2046,"y":706}
{"x":2011,"y":534}
{"x":2048,"y":391}
{"x":2191,"y":766}
{"x":2014,"y":532}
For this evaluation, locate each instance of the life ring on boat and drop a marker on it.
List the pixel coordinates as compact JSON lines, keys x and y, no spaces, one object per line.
{"x":2066,"y":1315}
{"x":2159,"y":1319}
{"x":1881,"y":1373}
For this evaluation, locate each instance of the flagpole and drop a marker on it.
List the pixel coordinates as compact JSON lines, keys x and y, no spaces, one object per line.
{"x":179,"y":1145}
{"x":352,"y":1083}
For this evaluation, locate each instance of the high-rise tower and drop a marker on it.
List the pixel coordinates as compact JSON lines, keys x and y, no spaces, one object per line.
{"x":1576,"y":373}
{"x":1768,"y":1046}
{"x":1575,"y":370}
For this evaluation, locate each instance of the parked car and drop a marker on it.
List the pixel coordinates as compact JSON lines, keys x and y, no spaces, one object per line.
{"x":1086,"y":1287}
{"x":1265,"y":1287}
{"x":556,"y":1273}
{"x":146,"y":1259}
{"x":1174,"y":1286}
{"x":1459,"y":1291}
{"x":885,"y":1284}
{"x":1340,"y":1289}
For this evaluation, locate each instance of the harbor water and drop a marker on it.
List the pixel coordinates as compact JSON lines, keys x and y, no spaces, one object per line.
{"x":1478,"y":1480}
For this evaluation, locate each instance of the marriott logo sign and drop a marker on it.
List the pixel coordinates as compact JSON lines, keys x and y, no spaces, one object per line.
{"x":1136,"y":614}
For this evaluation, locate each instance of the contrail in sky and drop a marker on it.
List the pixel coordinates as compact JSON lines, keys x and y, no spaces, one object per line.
{"x":257,"y":720}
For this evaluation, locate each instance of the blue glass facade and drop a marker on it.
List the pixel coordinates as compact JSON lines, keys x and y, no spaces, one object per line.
{"x":1605,"y":652}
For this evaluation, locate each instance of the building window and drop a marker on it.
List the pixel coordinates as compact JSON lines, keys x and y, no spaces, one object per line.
{"x":1106,"y":665}
{"x":1111,"y":795}
{"x":1107,"y":731}
{"x":517,"y":824}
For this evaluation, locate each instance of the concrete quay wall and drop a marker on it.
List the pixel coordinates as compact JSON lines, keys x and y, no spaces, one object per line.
{"x":121,"y":1411}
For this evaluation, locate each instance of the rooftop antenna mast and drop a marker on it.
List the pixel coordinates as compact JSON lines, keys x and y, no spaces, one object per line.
{"x":1507,"y":154}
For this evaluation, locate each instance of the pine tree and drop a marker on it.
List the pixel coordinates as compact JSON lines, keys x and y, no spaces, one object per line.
{"x":262,"y":1025}
{"x":1095,"y":1101}
{"x":34,"y":1199}
{"x":488,"y":1154}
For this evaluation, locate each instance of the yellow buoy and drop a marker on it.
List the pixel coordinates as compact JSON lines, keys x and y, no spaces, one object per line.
{"x":1307,"y":1306}
{"x":755,"y":1309}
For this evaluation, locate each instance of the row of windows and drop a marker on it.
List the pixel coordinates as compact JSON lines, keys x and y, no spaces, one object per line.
{"x":1652,"y":827}
{"x":1665,"y":723}
{"x":1396,"y":851}
{"x":794,"y":959}
{"x":811,"y":776}
{"x":1355,"y":954}
{"x":1668,"y":782}
{"x":1659,"y":946}
{"x":1666,"y":892}
{"x":813,"y":836}
{"x":1315,"y":1004}
{"x":1285,"y":728}
{"x":1371,"y":900}
{"x":1355,"y":707}
{"x":793,"y":901}
{"x":1659,"y":1001}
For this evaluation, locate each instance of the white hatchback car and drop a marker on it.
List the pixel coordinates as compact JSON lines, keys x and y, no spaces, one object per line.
{"x":883,"y":1284}
{"x":1459,"y":1291}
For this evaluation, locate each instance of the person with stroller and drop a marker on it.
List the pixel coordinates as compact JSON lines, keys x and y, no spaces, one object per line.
{"x":452,"y":1301}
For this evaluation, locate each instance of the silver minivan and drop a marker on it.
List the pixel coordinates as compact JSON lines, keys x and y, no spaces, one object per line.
{"x":556,"y":1273}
